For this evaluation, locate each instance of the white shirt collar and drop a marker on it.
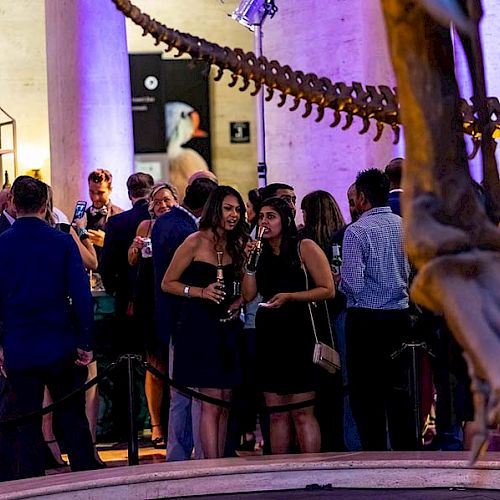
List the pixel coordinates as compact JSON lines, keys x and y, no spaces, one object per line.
{"x":196,"y":219}
{"x":9,"y":217}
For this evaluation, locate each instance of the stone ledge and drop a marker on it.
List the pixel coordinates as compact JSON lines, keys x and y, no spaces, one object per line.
{"x":253,"y":474}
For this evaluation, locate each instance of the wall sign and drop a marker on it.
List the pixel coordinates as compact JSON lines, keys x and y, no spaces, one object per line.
{"x":239,"y":132}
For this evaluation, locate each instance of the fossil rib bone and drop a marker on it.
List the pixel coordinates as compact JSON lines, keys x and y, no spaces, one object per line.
{"x":369,"y":103}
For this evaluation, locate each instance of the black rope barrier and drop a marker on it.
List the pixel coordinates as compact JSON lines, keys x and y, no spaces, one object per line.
{"x":221,"y":402}
{"x":14,"y":421}
{"x":130,"y":358}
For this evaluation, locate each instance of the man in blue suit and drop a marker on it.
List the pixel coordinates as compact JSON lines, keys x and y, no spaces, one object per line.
{"x":169,"y":231}
{"x":46,"y":314}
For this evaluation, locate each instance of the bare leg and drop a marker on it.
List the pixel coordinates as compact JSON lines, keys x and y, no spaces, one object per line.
{"x":212,"y":425}
{"x":92,"y":401}
{"x":92,"y":407}
{"x":154,"y":394}
{"x":306,"y":425}
{"x":226,"y":395}
{"x":48,"y":433}
{"x":281,"y":424}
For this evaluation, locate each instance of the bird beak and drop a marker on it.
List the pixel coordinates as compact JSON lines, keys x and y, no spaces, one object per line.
{"x":195,"y":117}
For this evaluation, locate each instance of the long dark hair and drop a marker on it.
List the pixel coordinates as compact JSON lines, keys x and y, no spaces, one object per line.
{"x":289,"y":234}
{"x":211,"y":218}
{"x":323,"y":218}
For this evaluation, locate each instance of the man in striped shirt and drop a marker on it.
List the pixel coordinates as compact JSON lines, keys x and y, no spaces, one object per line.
{"x":374,"y":278}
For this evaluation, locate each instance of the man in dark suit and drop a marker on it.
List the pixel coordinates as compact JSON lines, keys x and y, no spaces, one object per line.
{"x":46,"y":314}
{"x":102,"y":208}
{"x":394,"y":170}
{"x":169,"y":231}
{"x":119,"y":280}
{"x":117,"y":276}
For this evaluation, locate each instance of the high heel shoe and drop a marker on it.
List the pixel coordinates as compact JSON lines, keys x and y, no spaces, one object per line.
{"x":53,"y":459}
{"x":159,"y":442}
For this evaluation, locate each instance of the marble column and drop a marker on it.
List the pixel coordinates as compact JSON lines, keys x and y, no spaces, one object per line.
{"x":344,"y":40}
{"x":90,"y":117}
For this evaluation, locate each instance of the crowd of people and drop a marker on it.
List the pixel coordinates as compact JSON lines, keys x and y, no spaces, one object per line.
{"x":188,"y":300}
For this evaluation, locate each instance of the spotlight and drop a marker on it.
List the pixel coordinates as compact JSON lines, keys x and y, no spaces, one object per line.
{"x":251,"y":13}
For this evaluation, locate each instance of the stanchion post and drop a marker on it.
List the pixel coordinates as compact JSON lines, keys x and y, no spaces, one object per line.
{"x":415,"y":389}
{"x":133,"y":442}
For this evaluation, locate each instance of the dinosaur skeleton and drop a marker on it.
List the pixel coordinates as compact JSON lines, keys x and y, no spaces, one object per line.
{"x":448,"y":234}
{"x":369,"y":103}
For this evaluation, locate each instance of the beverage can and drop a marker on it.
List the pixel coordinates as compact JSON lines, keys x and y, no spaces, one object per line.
{"x":147,"y":249}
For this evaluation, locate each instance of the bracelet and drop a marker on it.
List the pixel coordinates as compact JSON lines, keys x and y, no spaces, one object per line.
{"x":202,"y":290}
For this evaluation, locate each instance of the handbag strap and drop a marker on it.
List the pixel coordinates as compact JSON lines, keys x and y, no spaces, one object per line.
{"x":313,"y":322}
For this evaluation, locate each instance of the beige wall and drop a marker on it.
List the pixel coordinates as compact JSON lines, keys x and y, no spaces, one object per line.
{"x":23,"y":81}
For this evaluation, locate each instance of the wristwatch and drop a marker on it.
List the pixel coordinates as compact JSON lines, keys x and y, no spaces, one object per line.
{"x":186,"y":291}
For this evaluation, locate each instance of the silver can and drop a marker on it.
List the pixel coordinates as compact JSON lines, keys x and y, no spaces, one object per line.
{"x":147,"y":248}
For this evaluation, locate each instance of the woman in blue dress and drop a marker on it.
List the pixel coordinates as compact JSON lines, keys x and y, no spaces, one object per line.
{"x":206,"y":340}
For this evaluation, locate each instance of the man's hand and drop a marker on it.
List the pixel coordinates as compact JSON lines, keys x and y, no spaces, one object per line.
{"x":84,"y":357}
{"x":97,"y":237}
{"x":2,"y":369}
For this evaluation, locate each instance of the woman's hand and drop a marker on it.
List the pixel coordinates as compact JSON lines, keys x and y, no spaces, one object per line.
{"x":249,"y":248}
{"x":138,"y":243}
{"x":213,"y":292}
{"x":278,"y":300}
{"x":233,"y":311}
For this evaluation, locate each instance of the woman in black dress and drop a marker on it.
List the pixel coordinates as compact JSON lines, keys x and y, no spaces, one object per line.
{"x":285,"y":339}
{"x":207,"y":336}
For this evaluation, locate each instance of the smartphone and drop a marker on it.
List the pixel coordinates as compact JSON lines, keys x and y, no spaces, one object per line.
{"x":79,"y":210}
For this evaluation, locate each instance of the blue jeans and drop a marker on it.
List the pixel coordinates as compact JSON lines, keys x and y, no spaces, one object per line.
{"x":183,"y":428}
{"x":183,"y":424}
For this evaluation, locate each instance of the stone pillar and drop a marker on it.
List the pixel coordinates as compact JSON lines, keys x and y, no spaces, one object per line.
{"x":344,"y":40}
{"x":90,"y":116}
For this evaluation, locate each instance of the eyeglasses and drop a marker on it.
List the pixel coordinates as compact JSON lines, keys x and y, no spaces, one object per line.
{"x":162,"y":201}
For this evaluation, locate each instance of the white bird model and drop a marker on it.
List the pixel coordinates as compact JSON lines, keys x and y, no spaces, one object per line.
{"x":182,"y":124}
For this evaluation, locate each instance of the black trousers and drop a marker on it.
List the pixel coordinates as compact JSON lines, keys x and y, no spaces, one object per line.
{"x":22,"y":447}
{"x":378,"y":384}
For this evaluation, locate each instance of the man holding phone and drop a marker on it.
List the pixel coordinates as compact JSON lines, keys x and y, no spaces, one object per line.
{"x":97,"y":215}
